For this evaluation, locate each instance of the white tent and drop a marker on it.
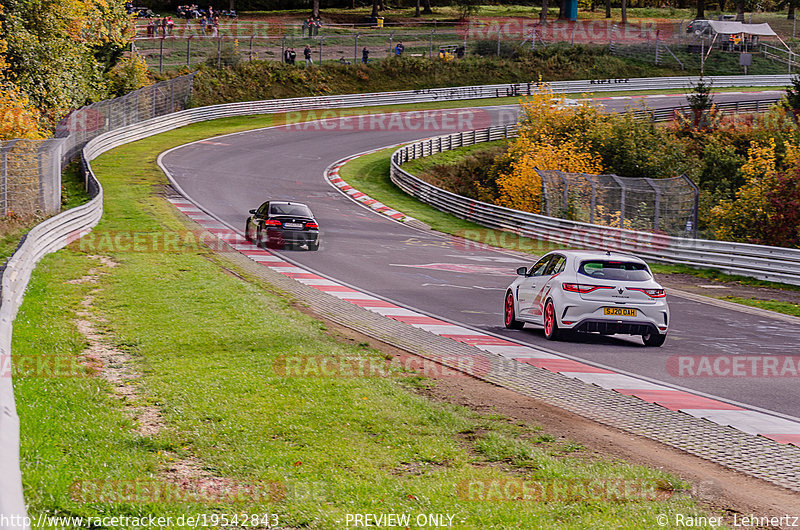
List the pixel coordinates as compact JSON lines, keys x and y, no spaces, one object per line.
{"x":726,"y":27}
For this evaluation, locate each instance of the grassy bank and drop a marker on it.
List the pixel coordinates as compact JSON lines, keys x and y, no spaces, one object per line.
{"x":259,"y":80}
{"x":200,"y":346}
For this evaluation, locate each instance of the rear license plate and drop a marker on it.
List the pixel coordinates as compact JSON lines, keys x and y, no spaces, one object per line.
{"x":292,"y":225}
{"x":619,"y":311}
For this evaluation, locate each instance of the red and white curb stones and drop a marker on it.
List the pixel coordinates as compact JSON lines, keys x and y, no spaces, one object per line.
{"x":333,"y":176}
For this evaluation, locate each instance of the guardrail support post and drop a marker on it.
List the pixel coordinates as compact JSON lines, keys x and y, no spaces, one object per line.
{"x":189,"y":51}
{"x":160,"y":54}
{"x":251,"y":47}
{"x":355,"y":50}
{"x":219,"y":52}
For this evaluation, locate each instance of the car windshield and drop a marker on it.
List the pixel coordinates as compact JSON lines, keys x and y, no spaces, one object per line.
{"x":298,"y":210}
{"x":615,"y":270}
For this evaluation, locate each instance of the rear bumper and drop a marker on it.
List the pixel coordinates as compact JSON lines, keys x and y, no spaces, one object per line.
{"x":615,"y":327}
{"x":292,"y":236}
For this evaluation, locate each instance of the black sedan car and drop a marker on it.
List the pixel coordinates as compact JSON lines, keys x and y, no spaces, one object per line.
{"x":282,"y":224}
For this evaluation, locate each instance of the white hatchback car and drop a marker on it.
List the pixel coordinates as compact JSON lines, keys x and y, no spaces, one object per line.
{"x":602,"y":292}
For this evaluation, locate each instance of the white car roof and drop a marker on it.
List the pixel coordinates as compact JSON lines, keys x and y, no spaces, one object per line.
{"x":598,"y":255}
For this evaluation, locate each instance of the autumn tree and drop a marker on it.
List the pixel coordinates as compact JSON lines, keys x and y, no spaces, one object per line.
{"x":60,"y":51}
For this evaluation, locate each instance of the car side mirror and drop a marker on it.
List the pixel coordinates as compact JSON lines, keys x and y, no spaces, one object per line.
{"x":522,"y":271}
{"x":253,"y":211}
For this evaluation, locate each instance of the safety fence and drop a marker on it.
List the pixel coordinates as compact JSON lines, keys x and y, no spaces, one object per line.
{"x":762,"y":262}
{"x":30,"y":170}
{"x":112,"y":124}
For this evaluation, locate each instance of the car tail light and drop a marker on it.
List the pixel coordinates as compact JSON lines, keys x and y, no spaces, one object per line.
{"x":582,"y":287}
{"x":272,"y":222}
{"x":312,"y":224}
{"x":652,"y":293}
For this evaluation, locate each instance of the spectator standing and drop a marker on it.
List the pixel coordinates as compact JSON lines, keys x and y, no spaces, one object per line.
{"x":315,"y":24}
{"x":149,"y":28}
{"x":305,"y":27}
{"x":203,"y":25}
{"x":365,"y":55}
{"x":163,"y":27}
{"x":307,"y":55}
{"x":170,"y":25}
{"x":292,"y":55}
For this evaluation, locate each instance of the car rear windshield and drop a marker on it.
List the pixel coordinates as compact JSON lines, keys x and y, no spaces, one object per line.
{"x":615,"y":270}
{"x":298,"y":210}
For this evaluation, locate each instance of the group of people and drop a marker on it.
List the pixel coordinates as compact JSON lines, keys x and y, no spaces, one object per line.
{"x":311,"y":25}
{"x":289,"y":56}
{"x":164,"y":25}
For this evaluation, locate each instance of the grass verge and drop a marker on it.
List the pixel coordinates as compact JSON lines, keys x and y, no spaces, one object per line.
{"x":206,"y":345}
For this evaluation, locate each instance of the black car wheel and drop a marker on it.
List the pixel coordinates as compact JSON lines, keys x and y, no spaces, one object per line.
{"x":313,"y":245}
{"x":247,"y":235}
{"x":654,"y":339}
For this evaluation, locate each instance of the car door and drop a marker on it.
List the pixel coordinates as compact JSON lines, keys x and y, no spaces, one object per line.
{"x":554,"y":267}
{"x":529,"y":287}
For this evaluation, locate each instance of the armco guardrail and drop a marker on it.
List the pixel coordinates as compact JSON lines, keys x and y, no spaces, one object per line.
{"x":50,"y":235}
{"x":762,"y":262}
{"x":53,"y":233}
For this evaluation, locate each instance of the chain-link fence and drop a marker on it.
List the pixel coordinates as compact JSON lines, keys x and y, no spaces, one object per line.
{"x":225,"y":50}
{"x":30,"y":170}
{"x":30,"y":176}
{"x":666,"y":205}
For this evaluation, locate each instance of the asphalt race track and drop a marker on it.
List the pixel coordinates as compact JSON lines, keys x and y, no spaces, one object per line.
{"x":435,"y":274}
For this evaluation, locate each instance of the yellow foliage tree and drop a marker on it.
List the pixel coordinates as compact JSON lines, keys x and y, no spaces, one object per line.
{"x":18,"y":118}
{"x":548,"y":140}
{"x":744,"y":218}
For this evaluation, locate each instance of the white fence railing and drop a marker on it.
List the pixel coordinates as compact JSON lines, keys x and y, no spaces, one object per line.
{"x":762,"y":262}
{"x":54,"y":233}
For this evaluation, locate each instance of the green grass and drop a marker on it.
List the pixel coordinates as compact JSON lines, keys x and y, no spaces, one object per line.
{"x":787,"y":308}
{"x":370,"y":174}
{"x":207,"y":342}
{"x":421,"y":165}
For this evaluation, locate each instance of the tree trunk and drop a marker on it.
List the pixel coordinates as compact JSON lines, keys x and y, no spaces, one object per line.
{"x":230,"y":6}
{"x":416,"y":13}
{"x":374,"y":8}
{"x":790,"y":16}
{"x":740,"y":10}
{"x":625,"y":11}
{"x":427,"y":9}
{"x":608,"y":8}
{"x":562,"y":11}
{"x":315,"y":9}
{"x":543,"y":14}
{"x":701,"y":9}
{"x":681,"y":4}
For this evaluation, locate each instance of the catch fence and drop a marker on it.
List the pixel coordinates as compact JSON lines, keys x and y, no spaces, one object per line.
{"x":665,"y":205}
{"x":30,"y":170}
